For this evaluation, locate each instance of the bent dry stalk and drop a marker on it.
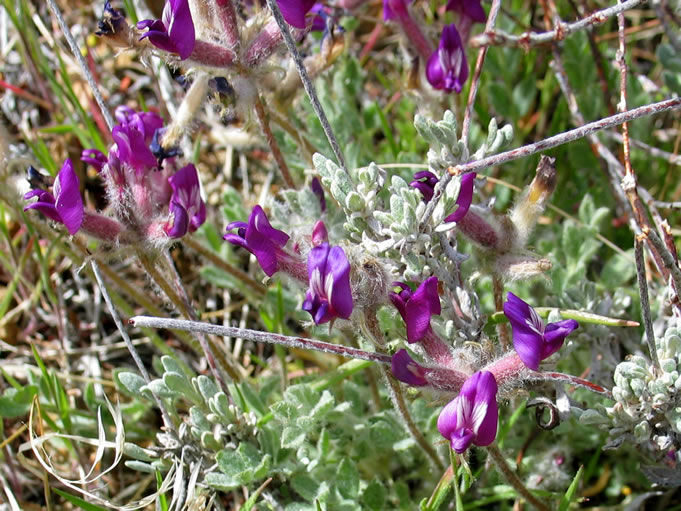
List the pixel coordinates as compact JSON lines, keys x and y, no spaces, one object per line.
{"x":255,"y":335}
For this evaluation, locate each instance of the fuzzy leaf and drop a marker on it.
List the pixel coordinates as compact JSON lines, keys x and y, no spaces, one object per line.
{"x":347,"y":479}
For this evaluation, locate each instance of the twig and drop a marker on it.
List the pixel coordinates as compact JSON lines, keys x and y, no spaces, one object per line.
{"x":257,"y":336}
{"x":674,"y":159}
{"x":529,"y":39}
{"x":513,"y":479}
{"x":668,"y":260}
{"x":81,"y":61}
{"x":272,"y":142}
{"x":645,"y":301}
{"x":475,"y":82}
{"x":567,"y":136}
{"x":307,"y":83}
{"x":131,"y":348}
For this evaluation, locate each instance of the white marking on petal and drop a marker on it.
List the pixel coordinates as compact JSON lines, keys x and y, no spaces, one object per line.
{"x":316,"y":282}
{"x":478,"y":415}
{"x":328,"y":286}
{"x":535,"y":322}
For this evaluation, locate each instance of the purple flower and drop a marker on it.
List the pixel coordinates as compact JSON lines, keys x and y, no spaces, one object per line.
{"x":532,"y":339}
{"x":425,"y":181}
{"x":391,"y":8}
{"x":464,"y":199}
{"x":294,"y":11}
{"x":319,"y":234}
{"x":187,"y":209}
{"x":405,"y":369}
{"x":94,"y":157}
{"x":468,"y":8}
{"x":132,"y":136}
{"x":66,"y":205}
{"x":471,"y":417}
{"x":416,"y":308}
{"x":447,"y":68}
{"x":316,"y":187}
{"x":260,"y":239}
{"x":329,"y":296}
{"x":174,"y":32}
{"x":319,"y":19}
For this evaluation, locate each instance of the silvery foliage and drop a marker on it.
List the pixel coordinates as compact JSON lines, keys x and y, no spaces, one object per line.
{"x":391,"y":227}
{"x":647,"y":409}
{"x":303,"y":436}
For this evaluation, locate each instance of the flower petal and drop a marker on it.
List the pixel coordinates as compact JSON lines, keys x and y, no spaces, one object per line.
{"x":341,"y":295}
{"x":405,"y":369}
{"x":68,"y":202}
{"x":464,"y":199}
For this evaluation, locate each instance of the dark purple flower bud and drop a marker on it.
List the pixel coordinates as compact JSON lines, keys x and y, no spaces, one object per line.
{"x":319,"y":234}
{"x":393,"y":8}
{"x":320,"y":17}
{"x":532,"y":339}
{"x":260,"y":239}
{"x":317,"y":189}
{"x":94,"y":157}
{"x":174,"y":32}
{"x":468,"y":8}
{"x":65,"y":204}
{"x":447,"y":68}
{"x":294,"y":11}
{"x":187,"y":209}
{"x":416,"y":308}
{"x":471,"y":417}
{"x":405,"y":369}
{"x":464,"y":199}
{"x":329,"y":296}
{"x":113,"y":26}
{"x":425,"y":181}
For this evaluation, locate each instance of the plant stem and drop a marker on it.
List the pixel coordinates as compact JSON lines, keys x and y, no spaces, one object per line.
{"x":567,"y":136}
{"x":272,"y":142}
{"x":307,"y":83}
{"x":257,"y":336}
{"x":81,"y":62}
{"x":401,"y":405}
{"x":131,"y":348}
{"x":513,"y":479}
{"x":528,"y":39}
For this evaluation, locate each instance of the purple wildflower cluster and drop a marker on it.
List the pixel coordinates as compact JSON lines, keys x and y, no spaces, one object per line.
{"x":151,"y":201}
{"x":471,"y":417}
{"x":326,"y":271}
{"x":446,"y":65}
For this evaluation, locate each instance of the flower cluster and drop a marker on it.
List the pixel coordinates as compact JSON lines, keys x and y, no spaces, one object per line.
{"x":327,"y":271}
{"x":152,"y":201}
{"x":471,"y":417}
